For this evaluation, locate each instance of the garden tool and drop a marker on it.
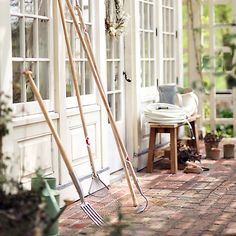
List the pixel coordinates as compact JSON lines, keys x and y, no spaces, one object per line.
{"x":96,"y":183}
{"x":118,"y":140}
{"x":86,"y":207}
{"x":102,"y":94}
{"x":87,"y":47}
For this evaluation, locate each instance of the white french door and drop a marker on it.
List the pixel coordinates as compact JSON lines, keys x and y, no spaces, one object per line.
{"x":115,"y":96}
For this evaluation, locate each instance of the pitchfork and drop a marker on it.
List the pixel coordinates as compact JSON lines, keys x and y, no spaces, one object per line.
{"x":86,"y":207}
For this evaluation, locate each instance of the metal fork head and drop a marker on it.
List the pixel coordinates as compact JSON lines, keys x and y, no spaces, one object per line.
{"x":92,"y":214}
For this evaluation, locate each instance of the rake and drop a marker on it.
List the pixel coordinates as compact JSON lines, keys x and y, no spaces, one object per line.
{"x":123,"y":153}
{"x":86,"y":207}
{"x":95,"y":177}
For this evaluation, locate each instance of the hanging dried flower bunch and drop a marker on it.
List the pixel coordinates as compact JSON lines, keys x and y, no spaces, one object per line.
{"x":116,"y":20}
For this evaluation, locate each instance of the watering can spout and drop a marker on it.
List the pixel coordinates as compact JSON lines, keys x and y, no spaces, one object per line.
{"x":52,"y":197}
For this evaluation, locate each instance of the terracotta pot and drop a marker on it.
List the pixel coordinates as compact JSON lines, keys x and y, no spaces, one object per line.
{"x":228,"y":151}
{"x":215,"y":153}
{"x":209,"y":146}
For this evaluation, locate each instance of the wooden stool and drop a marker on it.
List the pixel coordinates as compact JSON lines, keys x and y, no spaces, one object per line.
{"x":172,"y":129}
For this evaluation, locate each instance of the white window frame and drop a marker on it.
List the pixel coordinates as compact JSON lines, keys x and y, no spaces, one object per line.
{"x":147,"y":92}
{"x":32,"y":107}
{"x":112,"y":61}
{"x":86,"y":99}
{"x":169,"y":41}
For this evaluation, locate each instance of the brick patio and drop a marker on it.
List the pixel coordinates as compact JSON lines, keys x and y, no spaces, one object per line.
{"x":181,"y":204}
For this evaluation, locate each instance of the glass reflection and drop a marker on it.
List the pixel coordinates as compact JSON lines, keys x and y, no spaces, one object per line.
{"x":29,"y":37}
{"x":15,"y":35}
{"x":44,"y":80}
{"x":43,"y":38}
{"x":15,"y":6}
{"x":30,"y":6}
{"x":17,"y":84}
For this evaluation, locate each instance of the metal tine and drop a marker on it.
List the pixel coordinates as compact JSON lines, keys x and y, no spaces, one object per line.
{"x":91,"y":209}
{"x":94,"y":211}
{"x":93,"y":215}
{"x":94,"y":219}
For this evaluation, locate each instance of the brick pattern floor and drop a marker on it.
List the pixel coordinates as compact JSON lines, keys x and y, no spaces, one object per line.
{"x":180,"y":204}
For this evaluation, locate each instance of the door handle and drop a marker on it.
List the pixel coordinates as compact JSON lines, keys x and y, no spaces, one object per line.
{"x":126,"y":77}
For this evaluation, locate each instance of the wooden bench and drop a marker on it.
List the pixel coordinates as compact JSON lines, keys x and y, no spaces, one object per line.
{"x":172,"y":129}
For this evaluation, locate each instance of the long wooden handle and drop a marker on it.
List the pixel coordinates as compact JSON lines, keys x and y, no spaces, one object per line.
{"x":103,"y":97}
{"x":55,"y":135}
{"x":118,"y":140}
{"x":76,"y":86}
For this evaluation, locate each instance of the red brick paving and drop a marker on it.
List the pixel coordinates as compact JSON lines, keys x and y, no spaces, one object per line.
{"x":181,"y":204}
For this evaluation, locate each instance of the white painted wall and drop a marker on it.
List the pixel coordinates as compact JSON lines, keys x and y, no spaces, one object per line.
{"x":5,"y":64}
{"x":5,"y":45}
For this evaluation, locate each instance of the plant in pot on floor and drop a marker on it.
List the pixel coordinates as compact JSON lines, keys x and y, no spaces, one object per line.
{"x":21,"y":211}
{"x":211,"y":141}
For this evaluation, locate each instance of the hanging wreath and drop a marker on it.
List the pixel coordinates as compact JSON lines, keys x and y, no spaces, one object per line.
{"x":115,"y":22}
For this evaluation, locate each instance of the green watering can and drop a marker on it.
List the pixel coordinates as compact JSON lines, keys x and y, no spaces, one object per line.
{"x":51,"y":196}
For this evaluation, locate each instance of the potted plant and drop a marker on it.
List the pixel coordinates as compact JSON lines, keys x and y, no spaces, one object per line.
{"x":211,"y":141}
{"x":21,"y":211}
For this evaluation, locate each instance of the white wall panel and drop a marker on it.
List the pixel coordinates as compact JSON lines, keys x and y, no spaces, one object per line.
{"x":78,"y":146}
{"x":36,"y":153}
{"x":34,"y":147}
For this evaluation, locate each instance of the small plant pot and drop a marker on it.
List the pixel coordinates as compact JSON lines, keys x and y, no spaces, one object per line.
{"x":215,"y":153}
{"x":208,"y":148}
{"x":228,"y":151}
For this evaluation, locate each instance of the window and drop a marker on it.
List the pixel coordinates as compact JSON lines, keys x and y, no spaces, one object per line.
{"x":84,"y":74}
{"x":185,"y":44}
{"x":147,"y":47}
{"x":31,"y":39}
{"x":115,"y":66}
{"x":114,"y":76}
{"x":169,"y":36}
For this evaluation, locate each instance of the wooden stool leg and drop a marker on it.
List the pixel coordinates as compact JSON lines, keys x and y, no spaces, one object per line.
{"x":173,"y":151}
{"x":195,"y":132}
{"x":152,"y":141}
